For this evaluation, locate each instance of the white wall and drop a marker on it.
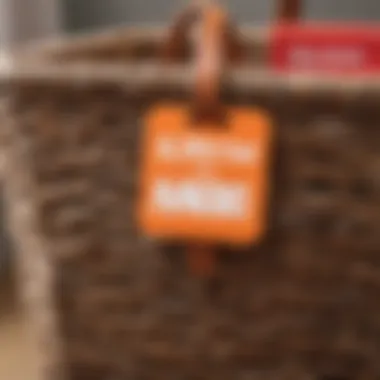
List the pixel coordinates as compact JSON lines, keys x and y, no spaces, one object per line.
{"x":24,"y":20}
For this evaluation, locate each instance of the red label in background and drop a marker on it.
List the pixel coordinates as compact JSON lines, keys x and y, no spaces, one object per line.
{"x":326,"y":48}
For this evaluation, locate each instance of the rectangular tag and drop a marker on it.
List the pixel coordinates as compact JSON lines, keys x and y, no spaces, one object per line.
{"x":326,"y":48}
{"x":204,"y":182}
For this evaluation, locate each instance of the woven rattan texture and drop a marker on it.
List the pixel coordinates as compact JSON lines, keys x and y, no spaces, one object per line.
{"x":302,"y":305}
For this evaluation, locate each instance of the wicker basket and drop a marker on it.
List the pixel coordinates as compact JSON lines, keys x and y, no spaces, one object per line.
{"x":109,"y":304}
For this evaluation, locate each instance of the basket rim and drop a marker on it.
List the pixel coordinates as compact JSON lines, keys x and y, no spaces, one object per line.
{"x":33,"y":64}
{"x":69,"y":43}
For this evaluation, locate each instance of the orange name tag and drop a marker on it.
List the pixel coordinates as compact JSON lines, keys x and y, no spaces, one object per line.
{"x":204,"y":182}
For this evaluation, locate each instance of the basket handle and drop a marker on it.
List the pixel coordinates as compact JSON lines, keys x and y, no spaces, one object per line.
{"x":178,"y":41}
{"x":289,"y":10}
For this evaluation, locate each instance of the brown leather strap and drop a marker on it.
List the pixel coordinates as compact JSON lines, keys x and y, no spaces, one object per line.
{"x":201,"y":260}
{"x":178,"y":42}
{"x":210,"y":61}
{"x":215,"y":45}
{"x":289,"y":10}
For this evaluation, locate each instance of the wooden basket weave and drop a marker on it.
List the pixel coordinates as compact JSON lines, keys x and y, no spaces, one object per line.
{"x":109,"y":304}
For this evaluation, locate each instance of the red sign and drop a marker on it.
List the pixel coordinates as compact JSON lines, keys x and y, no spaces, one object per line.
{"x":326,"y":48}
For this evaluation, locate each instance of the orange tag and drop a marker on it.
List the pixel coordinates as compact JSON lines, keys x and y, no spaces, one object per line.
{"x":204,"y":182}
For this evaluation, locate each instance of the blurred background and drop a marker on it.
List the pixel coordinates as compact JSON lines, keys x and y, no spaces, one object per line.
{"x":80,"y":14}
{"x":22,"y":21}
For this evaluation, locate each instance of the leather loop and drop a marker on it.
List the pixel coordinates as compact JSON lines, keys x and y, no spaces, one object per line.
{"x":178,"y":42}
{"x":215,"y":45}
{"x":210,"y":62}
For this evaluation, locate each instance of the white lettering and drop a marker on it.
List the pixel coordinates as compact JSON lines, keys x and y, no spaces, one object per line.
{"x":236,"y":152}
{"x":201,"y":198}
{"x":334,"y":57}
